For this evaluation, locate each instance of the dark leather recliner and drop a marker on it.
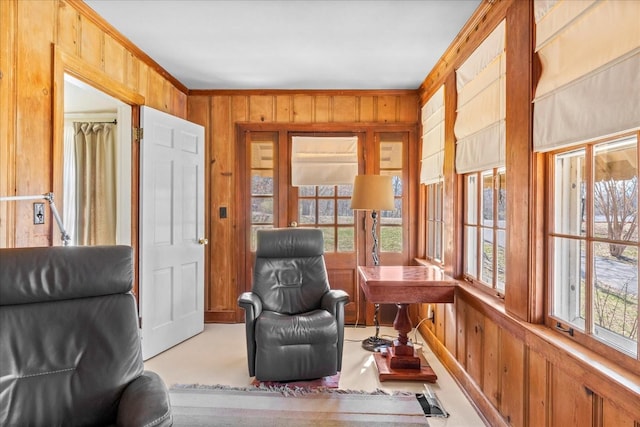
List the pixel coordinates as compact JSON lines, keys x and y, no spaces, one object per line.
{"x":69,"y":343}
{"x":294,"y":321}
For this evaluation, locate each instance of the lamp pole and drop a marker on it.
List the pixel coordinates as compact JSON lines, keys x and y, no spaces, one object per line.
{"x":374,"y":343}
{"x":373,"y":193}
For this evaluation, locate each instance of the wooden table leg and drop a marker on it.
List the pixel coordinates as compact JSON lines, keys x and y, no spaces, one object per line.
{"x":401,"y":361}
{"x":402,"y":353}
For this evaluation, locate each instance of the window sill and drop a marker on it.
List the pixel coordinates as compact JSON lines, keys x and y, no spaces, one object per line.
{"x":426,"y":263}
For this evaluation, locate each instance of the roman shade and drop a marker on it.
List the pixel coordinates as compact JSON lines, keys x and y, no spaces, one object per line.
{"x":590,"y":82}
{"x":480,"y":120}
{"x":324,"y":160}
{"x":433,"y":139}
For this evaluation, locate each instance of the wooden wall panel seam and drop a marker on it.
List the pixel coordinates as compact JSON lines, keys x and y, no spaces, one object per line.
{"x":8,"y":116}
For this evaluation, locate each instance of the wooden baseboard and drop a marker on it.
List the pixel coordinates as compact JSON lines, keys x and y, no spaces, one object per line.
{"x":220,"y":317}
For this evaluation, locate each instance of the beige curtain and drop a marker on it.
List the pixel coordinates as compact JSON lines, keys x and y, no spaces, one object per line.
{"x":319,"y":160}
{"x":433,"y":139}
{"x":480,"y":121}
{"x":590,"y":85}
{"x":95,"y":149}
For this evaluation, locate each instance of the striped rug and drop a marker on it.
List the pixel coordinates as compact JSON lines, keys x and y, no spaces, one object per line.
{"x":203,"y":405}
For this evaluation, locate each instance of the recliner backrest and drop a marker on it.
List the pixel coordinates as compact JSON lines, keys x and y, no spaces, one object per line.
{"x":70,"y":342}
{"x":289,"y":274}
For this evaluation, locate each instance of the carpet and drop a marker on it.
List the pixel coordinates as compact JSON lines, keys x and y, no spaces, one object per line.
{"x":202,"y":405}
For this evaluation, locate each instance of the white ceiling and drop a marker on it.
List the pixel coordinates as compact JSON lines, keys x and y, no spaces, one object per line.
{"x":80,"y":97}
{"x":291,"y":44}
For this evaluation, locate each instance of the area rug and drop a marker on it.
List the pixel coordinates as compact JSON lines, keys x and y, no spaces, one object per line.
{"x":215,"y":405}
{"x":327,"y":382}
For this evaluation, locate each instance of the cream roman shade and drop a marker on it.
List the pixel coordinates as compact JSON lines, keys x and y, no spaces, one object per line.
{"x":324,"y":160}
{"x":480,"y":120}
{"x":590,"y":82}
{"x":433,"y":139}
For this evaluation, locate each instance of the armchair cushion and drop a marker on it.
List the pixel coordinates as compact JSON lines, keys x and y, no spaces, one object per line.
{"x":302,"y":346}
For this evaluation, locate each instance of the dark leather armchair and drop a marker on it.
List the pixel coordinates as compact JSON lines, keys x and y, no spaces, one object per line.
{"x":69,"y":344}
{"x":294,"y":321}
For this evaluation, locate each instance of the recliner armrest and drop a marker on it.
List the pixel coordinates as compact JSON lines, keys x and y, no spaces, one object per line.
{"x":251,"y":304}
{"x":333,"y":299}
{"x":145,"y":402}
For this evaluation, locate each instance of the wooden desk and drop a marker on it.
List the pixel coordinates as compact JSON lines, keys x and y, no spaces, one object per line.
{"x":404,"y":285}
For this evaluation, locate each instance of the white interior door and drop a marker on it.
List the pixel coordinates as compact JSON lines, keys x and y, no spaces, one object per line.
{"x":171,"y":230}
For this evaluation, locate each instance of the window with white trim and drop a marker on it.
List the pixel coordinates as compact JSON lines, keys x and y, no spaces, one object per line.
{"x":586,"y":117}
{"x":434,"y":222}
{"x":593,"y":241}
{"x":485,"y":228}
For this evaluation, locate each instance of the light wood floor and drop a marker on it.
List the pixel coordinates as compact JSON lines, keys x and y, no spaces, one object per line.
{"x":218,"y":356}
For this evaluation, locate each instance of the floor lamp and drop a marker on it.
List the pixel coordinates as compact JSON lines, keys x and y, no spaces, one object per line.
{"x":373,"y":193}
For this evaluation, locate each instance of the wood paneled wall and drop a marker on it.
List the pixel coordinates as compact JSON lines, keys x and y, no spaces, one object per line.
{"x":31,"y":32}
{"x":516,"y":370}
{"x":220,"y":111}
{"x":523,"y":374}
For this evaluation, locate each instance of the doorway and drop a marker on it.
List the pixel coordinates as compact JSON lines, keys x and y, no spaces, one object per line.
{"x":96,"y":166}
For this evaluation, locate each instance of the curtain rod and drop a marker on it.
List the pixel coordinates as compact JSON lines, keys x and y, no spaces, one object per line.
{"x":114,"y":121}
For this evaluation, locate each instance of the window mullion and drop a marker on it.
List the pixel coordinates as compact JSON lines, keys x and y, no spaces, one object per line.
{"x":478,"y":226}
{"x":494,"y":278}
{"x":589,"y":267}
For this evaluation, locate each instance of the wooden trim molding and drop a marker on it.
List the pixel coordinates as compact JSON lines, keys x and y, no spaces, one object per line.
{"x":93,"y":16}
{"x":312,"y":92}
{"x":524,"y":296}
{"x":482,"y":22}
{"x":72,"y":64}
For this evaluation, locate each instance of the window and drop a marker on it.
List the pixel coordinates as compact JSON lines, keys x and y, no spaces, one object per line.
{"x":328,"y":208}
{"x":391,"y":239}
{"x":431,"y":175}
{"x":262,"y":153}
{"x":593,"y":241}
{"x":485,"y":228}
{"x":434,"y":230}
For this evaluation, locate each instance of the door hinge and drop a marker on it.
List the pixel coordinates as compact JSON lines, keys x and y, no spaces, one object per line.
{"x":137,"y":134}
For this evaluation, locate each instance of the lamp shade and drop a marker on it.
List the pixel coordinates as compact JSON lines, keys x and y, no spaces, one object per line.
{"x":372,"y":192}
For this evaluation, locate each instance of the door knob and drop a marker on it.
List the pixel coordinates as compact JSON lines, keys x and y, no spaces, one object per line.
{"x":203,"y":241}
{"x":293,"y":224}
